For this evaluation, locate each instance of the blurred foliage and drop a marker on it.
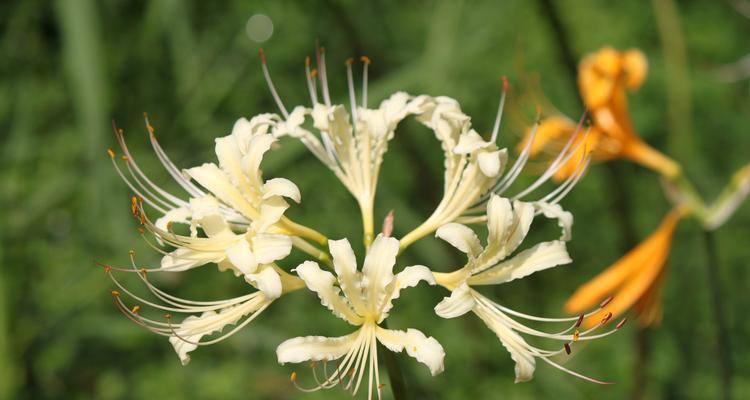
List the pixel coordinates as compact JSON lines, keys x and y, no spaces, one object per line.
{"x":71,"y":66}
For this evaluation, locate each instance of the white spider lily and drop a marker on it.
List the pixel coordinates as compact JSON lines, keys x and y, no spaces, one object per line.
{"x":508,"y":223}
{"x":366,"y":300}
{"x":205,"y":317}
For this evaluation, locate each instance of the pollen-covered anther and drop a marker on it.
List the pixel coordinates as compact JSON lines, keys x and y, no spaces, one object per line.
{"x":111,"y":153}
{"x":135,"y":309}
{"x":365,"y":60}
{"x":314,"y":72}
{"x":621,"y":323}
{"x":606,"y":301}
{"x":115,"y":293}
{"x":606,"y":318}
{"x":131,"y":253}
{"x":293,"y":376}
{"x":576,"y":335}
{"x":125,"y":158}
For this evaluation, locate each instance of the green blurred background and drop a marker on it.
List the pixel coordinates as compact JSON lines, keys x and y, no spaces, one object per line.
{"x":69,"y":67}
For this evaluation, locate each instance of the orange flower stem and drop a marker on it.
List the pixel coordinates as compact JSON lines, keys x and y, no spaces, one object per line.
{"x":722,"y":331}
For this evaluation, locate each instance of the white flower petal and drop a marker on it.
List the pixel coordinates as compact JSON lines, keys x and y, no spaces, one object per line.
{"x":315,"y":348}
{"x":271,"y":211}
{"x":183,"y":259}
{"x":564,"y":218}
{"x":492,"y":162}
{"x":281,"y":187}
{"x":470,"y":142}
{"x":207,"y":214}
{"x":230,"y":160}
{"x":267,"y":280}
{"x":269,"y":247}
{"x":215,"y":180}
{"x":345,"y":265}
{"x":322,"y":283}
{"x":378,"y":269}
{"x":426,"y":350}
{"x":258,"y":146}
{"x":458,"y":303}
{"x":513,"y":342}
{"x":461,"y":237}
{"x":542,"y":256}
{"x":242,"y":257}
{"x":499,"y":218}
{"x":409,"y":277}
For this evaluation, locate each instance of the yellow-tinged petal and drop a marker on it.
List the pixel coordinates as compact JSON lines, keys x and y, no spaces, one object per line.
{"x":552,"y":130}
{"x":635,"y":67}
{"x":630,"y":277}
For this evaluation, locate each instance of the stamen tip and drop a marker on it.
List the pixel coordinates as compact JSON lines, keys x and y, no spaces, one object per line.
{"x":262,"y":56}
{"x":606,"y":301}
{"x":580,"y":321}
{"x":606,"y":318}
{"x":349,"y":61}
{"x":365,"y":60}
{"x":621,"y":323}
{"x":111,"y":153}
{"x":567,"y":348}
{"x":115,"y":293}
{"x":506,"y":85}
{"x":293,"y":376}
{"x":307,"y":61}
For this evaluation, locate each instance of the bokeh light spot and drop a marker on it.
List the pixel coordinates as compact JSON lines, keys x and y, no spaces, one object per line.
{"x":259,"y":28}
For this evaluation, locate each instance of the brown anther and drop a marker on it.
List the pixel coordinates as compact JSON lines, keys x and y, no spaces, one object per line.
{"x":580,"y":321}
{"x":135,"y":309}
{"x":349,"y":61}
{"x":262,"y":55}
{"x":107,"y":268}
{"x":506,"y":85}
{"x":169,"y":226}
{"x":131,"y":253}
{"x":293,"y":377}
{"x":606,"y":318}
{"x":382,"y":385}
{"x":134,"y":206}
{"x":567,"y":348}
{"x":313,"y":364}
{"x":313,"y":73}
{"x":576,"y":335}
{"x":111,"y":153}
{"x":365,"y":60}
{"x":115,"y":293}
{"x":144,"y":271}
{"x":606,"y":301}
{"x":125,"y":158}
{"x":168,"y":316}
{"x":621,"y":323}
{"x":141,"y":231}
{"x":120,"y":131}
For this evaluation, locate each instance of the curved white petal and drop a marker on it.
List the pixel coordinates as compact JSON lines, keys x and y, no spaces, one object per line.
{"x":499,"y":218}
{"x":470,"y":142}
{"x":183,"y":259}
{"x":345,"y":265}
{"x":409,"y":277}
{"x":271,"y":211}
{"x":281,"y":187}
{"x":542,"y":256}
{"x":242,"y":257}
{"x":564,"y":218}
{"x":513,"y":342}
{"x":322,"y":283}
{"x":426,"y":350}
{"x":315,"y":348}
{"x":458,"y":303}
{"x":492,"y":162}
{"x":378,"y":269}
{"x":178,"y":215}
{"x":216,"y":181}
{"x":461,"y":237}
{"x":269,"y":247}
{"x":267,"y":280}
{"x":229,"y":156}
{"x":258,"y":146}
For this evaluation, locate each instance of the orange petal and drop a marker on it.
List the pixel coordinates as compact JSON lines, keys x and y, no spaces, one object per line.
{"x":552,"y":130}
{"x":635,"y":67}
{"x":591,"y":144}
{"x":655,"y":249}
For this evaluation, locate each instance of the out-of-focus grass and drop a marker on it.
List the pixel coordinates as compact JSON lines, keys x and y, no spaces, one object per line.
{"x":68,"y":68}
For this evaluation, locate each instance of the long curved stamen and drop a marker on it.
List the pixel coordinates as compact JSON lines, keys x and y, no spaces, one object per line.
{"x":517,"y":167}
{"x":564,"y":188}
{"x":352,"y":95}
{"x":320,"y":56}
{"x":365,"y":67}
{"x":310,"y":83}
{"x":271,"y":87}
{"x":498,"y":118}
{"x":565,"y":154}
{"x":573,"y":184}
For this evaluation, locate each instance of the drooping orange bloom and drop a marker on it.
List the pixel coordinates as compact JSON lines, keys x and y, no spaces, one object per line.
{"x":604,"y":78}
{"x":635,"y":279}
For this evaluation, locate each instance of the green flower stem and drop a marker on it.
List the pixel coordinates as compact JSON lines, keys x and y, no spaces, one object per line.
{"x":722,"y":330}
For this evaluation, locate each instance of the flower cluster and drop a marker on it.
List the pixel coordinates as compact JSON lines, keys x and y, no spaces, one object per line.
{"x":233,"y":217}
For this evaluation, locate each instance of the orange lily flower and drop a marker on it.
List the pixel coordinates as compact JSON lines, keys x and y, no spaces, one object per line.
{"x":604,"y":78}
{"x":635,"y":279}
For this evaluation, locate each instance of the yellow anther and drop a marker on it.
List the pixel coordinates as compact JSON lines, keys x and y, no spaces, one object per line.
{"x":131,"y":253}
{"x":169,"y":226}
{"x":293,"y":377}
{"x":115,"y":293}
{"x":135,"y":309}
{"x":111,"y":153}
{"x":314,"y":72}
{"x":125,"y":158}
{"x":606,"y":318}
{"x":576,"y":335}
{"x":134,"y":206}
{"x":366,"y":60}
